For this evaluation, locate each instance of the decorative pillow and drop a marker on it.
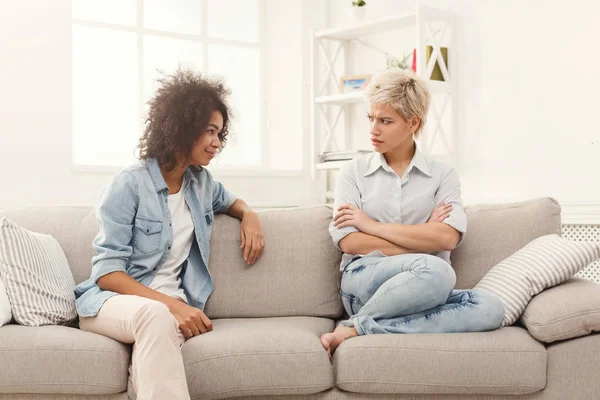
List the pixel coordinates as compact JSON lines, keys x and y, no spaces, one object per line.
{"x":543,"y":263}
{"x":5,"y":313}
{"x":37,"y":277}
{"x":564,"y":312}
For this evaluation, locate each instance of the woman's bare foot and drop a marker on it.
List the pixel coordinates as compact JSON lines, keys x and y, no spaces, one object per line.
{"x":331,"y":341}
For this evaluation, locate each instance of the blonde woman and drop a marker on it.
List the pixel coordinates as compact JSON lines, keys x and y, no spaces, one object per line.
{"x":397,"y":216}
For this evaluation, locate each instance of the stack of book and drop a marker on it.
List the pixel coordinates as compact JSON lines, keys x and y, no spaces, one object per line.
{"x":341,"y":155}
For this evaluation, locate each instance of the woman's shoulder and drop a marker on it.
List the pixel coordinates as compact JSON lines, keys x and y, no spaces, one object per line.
{"x":127,"y":177}
{"x":439,"y":168}
{"x":358,"y":164}
{"x":365,"y":160}
{"x":361,"y":165}
{"x":203,"y":177}
{"x":201,"y":174}
{"x":133,"y":169}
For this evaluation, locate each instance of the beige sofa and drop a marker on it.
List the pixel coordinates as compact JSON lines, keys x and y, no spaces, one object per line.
{"x":268,"y":319}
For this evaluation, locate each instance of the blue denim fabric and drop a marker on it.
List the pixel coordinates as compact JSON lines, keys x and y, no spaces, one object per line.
{"x":135,"y":234}
{"x":413,"y":293}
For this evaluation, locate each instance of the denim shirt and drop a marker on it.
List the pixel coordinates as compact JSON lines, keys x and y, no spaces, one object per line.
{"x":135,"y":234}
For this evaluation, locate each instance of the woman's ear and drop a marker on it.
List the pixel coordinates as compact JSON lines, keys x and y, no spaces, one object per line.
{"x":415,"y":122}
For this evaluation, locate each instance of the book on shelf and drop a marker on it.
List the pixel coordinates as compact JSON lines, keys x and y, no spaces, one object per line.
{"x":341,"y":155}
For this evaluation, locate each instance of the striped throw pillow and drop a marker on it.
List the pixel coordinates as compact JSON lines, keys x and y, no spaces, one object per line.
{"x":541,"y":264}
{"x":37,"y":277}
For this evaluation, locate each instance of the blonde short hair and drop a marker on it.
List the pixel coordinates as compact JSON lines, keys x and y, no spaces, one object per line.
{"x":404,"y":91}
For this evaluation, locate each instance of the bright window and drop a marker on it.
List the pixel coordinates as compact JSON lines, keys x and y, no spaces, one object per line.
{"x":119,"y":47}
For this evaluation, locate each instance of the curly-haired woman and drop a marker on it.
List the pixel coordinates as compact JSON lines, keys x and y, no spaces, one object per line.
{"x":150,"y":279}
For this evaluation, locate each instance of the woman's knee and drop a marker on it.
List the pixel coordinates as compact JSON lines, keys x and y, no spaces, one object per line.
{"x":155,"y":316}
{"x":491,"y":307}
{"x":443,"y":274}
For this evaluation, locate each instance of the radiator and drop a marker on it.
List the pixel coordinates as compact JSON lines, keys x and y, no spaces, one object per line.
{"x":583,"y":232}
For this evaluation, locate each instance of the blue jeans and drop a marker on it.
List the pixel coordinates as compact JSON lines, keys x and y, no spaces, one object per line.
{"x":413,"y":293}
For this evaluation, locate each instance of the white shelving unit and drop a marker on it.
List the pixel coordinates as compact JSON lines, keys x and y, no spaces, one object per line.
{"x":433,"y":27}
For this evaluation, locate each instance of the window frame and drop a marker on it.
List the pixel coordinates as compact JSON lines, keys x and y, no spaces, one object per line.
{"x":205,"y":40}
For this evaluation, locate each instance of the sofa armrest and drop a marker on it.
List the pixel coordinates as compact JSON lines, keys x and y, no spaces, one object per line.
{"x":563,"y":312}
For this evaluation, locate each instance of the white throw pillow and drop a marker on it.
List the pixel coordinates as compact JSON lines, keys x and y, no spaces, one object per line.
{"x":37,"y":277}
{"x":541,"y":264}
{"x":5,"y":314}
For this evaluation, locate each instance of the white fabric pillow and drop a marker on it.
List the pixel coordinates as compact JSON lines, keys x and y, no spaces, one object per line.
{"x":5,"y":313}
{"x":37,"y":277}
{"x":541,"y":264}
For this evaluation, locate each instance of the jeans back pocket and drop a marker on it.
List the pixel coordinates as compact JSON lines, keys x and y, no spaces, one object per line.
{"x":352,"y":304}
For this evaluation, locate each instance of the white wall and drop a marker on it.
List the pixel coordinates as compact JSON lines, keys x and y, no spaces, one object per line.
{"x":529,"y":95}
{"x":528,"y":92}
{"x":35,"y":108}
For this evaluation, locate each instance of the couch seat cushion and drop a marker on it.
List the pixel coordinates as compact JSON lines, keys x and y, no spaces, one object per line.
{"x":262,"y":356}
{"x":59,"y":359}
{"x":505,"y":361}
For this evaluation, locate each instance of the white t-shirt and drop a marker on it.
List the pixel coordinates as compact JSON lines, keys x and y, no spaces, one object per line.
{"x":167,"y":278}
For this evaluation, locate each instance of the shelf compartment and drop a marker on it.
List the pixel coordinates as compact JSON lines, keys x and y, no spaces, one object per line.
{"x":331,"y":164}
{"x":369,"y":27}
{"x":342,"y":99}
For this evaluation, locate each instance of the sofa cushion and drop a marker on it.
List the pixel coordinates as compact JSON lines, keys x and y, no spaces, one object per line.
{"x":495,"y":231}
{"x":264,"y":356}
{"x":73,"y":226}
{"x":543,"y":263}
{"x":298,"y":273}
{"x":37,"y":277}
{"x":566,"y":311}
{"x":59,"y":359}
{"x":506,"y":361}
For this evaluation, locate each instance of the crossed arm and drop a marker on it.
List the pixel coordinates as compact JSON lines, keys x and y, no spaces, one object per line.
{"x":394,"y":239}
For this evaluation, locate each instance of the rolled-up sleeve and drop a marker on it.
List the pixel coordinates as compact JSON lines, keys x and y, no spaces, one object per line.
{"x":116,"y":213}
{"x":346,"y":192}
{"x":222,"y":199}
{"x":449,"y":192}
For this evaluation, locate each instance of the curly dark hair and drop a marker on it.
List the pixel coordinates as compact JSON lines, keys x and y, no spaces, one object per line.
{"x":179,"y":114}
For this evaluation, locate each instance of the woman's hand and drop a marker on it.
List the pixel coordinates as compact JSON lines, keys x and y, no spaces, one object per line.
{"x":440,"y":213}
{"x":253,"y":239}
{"x":350,"y":215}
{"x":192,"y":321}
